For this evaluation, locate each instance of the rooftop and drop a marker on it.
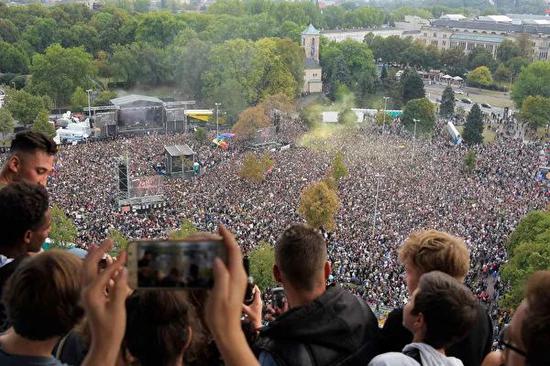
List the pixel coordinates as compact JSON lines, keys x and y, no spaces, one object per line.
{"x":179,"y":150}
{"x":492,"y":26}
{"x":133,"y":98}
{"x":310,"y":30}
{"x":488,"y":38}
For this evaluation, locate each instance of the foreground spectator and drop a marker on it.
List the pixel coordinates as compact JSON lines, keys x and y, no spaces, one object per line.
{"x":43,"y":300}
{"x":324,"y":326}
{"x":434,"y":250}
{"x":440,"y":311}
{"x":31,"y":159}
{"x":526,"y":340}
{"x":24,"y":223}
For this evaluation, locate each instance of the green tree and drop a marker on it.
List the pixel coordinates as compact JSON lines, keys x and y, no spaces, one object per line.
{"x":480,"y":76}
{"x":470,"y":161}
{"x":507,"y":50}
{"x":480,"y":56}
{"x":503,"y":73}
{"x":319,"y":205}
{"x":527,"y":258}
{"x":187,"y":228}
{"x":43,"y":125}
{"x":533,"y":80}
{"x":412,"y":86}
{"x":262,"y":258}
{"x":447,"y":107}
{"x":104,"y":97}
{"x":24,"y":106}
{"x":535,"y":110}
{"x":63,"y":232}
{"x":13,"y":58}
{"x":348,"y":63}
{"x":338,"y":169}
{"x":6,"y":121}
{"x":158,"y":28}
{"x":528,"y":229}
{"x":60,"y":79}
{"x":120,"y":241}
{"x":423,"y":111}
{"x":79,"y":99}
{"x":473,"y":130}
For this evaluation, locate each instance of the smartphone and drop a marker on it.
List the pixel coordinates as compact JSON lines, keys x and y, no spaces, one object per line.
{"x":173,"y":263}
{"x":249,"y":293}
{"x":278,"y":297}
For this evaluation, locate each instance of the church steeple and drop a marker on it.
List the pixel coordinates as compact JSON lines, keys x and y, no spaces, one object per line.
{"x":310,"y":42}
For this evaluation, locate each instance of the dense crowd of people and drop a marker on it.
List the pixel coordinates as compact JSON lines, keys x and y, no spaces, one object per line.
{"x":422,"y":184}
{"x":396,"y":190}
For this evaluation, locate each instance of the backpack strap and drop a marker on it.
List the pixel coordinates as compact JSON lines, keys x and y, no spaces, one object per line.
{"x":414,"y":354}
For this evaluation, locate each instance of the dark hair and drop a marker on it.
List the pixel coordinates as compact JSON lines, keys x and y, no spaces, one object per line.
{"x":30,"y":141}
{"x":22,"y":207}
{"x":300,"y":253}
{"x":449,"y":308}
{"x":42,"y":296}
{"x":157,"y":325}
{"x":535,"y":329}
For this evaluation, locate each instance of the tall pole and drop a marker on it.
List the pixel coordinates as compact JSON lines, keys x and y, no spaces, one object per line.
{"x":88,"y":91}
{"x":414,"y":142}
{"x":378,"y":177}
{"x":217,"y":124}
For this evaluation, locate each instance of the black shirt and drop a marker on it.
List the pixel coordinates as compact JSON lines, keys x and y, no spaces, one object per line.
{"x":471,"y":350}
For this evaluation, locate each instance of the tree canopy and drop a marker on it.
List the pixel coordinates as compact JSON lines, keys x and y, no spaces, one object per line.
{"x":535,"y":110}
{"x":412,"y":86}
{"x":533,"y":80}
{"x":480,"y":76}
{"x":319,"y":205}
{"x":473,"y":129}
{"x":423,"y":111}
{"x":447,"y":107}
{"x":63,"y":232}
{"x":262,"y":258}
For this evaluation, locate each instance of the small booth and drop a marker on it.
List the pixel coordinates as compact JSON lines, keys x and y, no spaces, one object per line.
{"x":180,"y":160}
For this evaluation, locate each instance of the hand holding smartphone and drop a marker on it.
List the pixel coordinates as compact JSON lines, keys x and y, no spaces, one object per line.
{"x":174,"y":264}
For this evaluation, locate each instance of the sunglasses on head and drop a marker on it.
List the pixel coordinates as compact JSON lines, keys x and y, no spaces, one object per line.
{"x":503,"y":342}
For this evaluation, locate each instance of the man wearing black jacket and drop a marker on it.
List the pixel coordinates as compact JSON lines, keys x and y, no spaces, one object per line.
{"x":427,"y":251}
{"x":324,"y":326}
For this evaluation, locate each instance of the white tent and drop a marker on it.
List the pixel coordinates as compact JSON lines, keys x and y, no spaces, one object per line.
{"x":446,"y":77}
{"x":457,"y":78}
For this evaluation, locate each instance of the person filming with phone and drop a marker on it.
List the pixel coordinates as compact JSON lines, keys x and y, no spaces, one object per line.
{"x":323,"y":326}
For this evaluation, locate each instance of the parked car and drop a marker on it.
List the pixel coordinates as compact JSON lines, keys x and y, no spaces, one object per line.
{"x":466,"y":100}
{"x":486,"y":105}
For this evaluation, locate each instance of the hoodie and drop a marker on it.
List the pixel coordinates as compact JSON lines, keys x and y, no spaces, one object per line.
{"x":428,"y":355}
{"x":337,"y":328}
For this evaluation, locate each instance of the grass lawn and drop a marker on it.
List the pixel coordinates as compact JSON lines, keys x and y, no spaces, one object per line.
{"x":494,"y":98}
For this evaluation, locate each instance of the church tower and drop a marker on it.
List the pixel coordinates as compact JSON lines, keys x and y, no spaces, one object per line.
{"x":312,"y":68}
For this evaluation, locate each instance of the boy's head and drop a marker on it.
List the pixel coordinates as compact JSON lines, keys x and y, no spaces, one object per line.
{"x":31,"y":158}
{"x":43,"y":294}
{"x":301,"y":258}
{"x":432,"y":250}
{"x":440,"y":311}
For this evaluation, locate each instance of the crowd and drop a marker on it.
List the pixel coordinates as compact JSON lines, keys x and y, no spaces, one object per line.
{"x":422,"y":185}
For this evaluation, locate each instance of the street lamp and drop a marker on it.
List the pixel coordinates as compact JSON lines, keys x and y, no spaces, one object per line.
{"x":217,"y":124}
{"x":89,"y":91}
{"x":414,"y":142}
{"x":385,"y":106}
{"x":378,"y":177}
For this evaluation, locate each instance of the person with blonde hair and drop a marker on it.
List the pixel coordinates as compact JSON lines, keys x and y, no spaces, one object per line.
{"x":432,"y":250}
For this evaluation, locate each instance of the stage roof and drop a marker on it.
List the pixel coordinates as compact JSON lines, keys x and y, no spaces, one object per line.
{"x":136,"y":99}
{"x":179,"y":150}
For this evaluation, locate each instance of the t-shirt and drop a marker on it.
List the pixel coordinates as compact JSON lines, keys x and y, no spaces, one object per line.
{"x":7,"y":359}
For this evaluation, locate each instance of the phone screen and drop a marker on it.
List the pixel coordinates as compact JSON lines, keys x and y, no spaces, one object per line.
{"x":175,"y":264}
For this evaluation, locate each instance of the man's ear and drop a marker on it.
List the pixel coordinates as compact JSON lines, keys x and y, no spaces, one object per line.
{"x":419,"y":323}
{"x":14,"y":163}
{"x":27,"y":238}
{"x":189,"y":338}
{"x":277,"y":274}
{"x":328,"y":269}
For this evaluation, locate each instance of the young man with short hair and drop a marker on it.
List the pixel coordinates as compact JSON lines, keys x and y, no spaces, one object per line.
{"x":24,"y":223}
{"x":324,"y":326}
{"x":440,"y":311}
{"x":31,"y":159}
{"x":432,"y":250}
